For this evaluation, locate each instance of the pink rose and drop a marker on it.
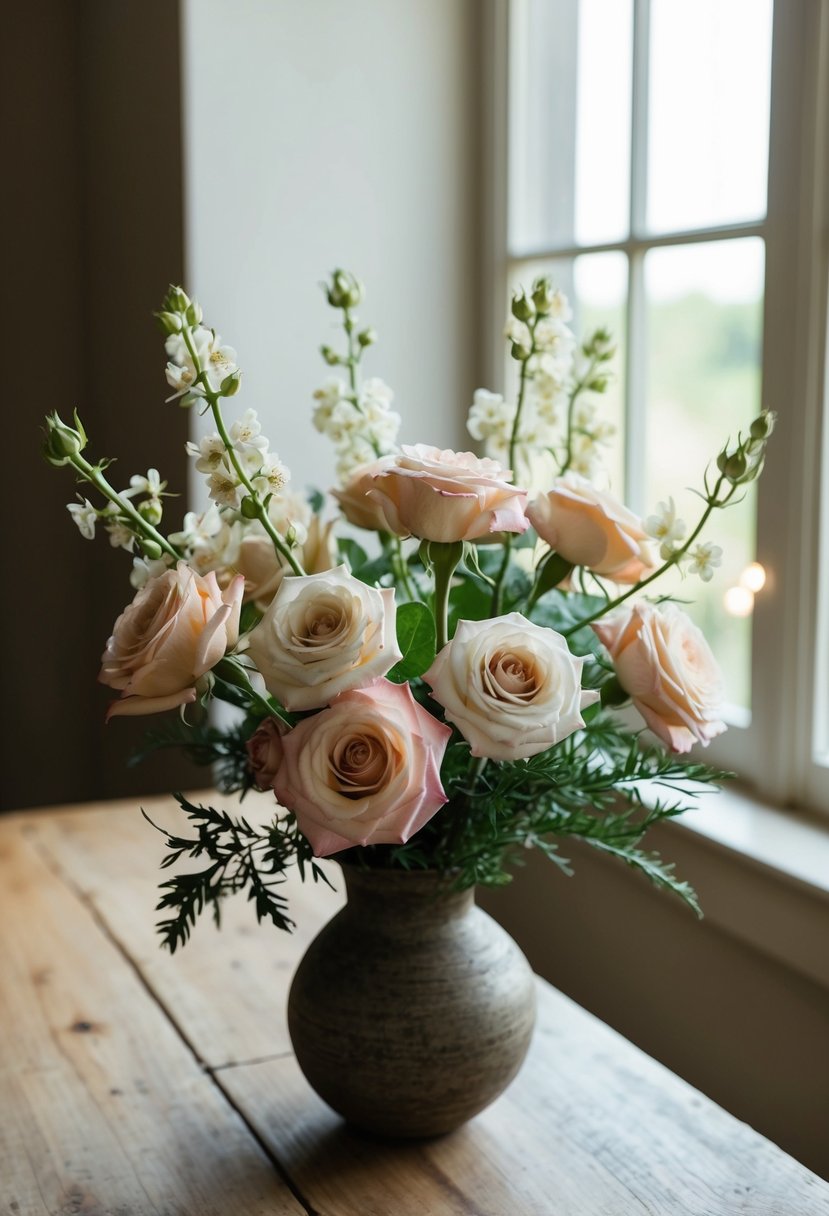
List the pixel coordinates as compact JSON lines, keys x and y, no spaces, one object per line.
{"x":364,"y":771}
{"x":179,"y":625}
{"x":447,"y":496}
{"x":665,"y":664}
{"x":512,"y":688}
{"x":265,"y":752}
{"x":591,"y":528}
{"x":356,"y":506}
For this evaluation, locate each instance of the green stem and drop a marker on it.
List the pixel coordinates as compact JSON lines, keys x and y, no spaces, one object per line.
{"x":96,"y":478}
{"x":445,"y":558}
{"x":282,"y":548}
{"x":353,"y":358}
{"x":232,"y":672}
{"x":712,"y":505}
{"x":402,"y":568}
{"x":498,"y":590}
{"x":578,"y":389}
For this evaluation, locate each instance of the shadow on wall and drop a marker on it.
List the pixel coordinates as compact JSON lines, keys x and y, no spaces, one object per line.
{"x":94,"y":213}
{"x":741,"y":1026}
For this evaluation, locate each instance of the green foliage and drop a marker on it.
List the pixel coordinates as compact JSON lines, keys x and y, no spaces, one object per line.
{"x":352,"y":553}
{"x":205,"y":745}
{"x":416,"y":639}
{"x":239,"y":857}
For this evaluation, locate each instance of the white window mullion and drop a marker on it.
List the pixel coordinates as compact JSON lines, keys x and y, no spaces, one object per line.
{"x":636,"y":360}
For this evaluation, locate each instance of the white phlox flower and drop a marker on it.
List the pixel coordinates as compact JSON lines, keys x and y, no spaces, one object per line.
{"x":704,"y":559}
{"x":143,"y":569}
{"x":217,"y":362}
{"x":85,"y":516}
{"x":666,"y":527}
{"x":223,"y":487}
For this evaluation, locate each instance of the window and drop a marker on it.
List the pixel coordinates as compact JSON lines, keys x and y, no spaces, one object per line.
{"x":664,"y":161}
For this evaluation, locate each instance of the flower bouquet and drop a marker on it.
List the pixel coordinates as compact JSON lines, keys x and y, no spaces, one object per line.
{"x":432,"y":702}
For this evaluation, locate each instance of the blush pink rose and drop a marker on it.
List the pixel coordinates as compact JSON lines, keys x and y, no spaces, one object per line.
{"x":356,"y":506}
{"x":364,"y":771}
{"x":666,"y":666}
{"x":179,"y":625}
{"x":265,"y":752}
{"x":591,"y":528}
{"x":447,"y":496}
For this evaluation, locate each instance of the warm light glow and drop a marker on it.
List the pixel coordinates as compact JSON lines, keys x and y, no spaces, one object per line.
{"x":739,"y":601}
{"x":753,"y":578}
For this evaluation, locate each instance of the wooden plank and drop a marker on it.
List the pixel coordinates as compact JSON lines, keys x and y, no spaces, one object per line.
{"x":103,"y":1109}
{"x":591,"y":1127}
{"x":112,"y":856}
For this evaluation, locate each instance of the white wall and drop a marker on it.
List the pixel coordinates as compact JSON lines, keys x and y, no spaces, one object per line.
{"x":318,"y":134}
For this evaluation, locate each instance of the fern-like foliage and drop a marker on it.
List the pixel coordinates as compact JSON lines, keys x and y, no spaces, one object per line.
{"x":238,"y":857}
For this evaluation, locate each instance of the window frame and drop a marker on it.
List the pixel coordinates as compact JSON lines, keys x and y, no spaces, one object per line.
{"x":775,"y":753}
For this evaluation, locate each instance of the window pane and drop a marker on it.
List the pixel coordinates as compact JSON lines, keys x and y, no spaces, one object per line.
{"x":569,"y":147}
{"x":596,"y":286}
{"x":708,"y":112}
{"x":704,"y":337}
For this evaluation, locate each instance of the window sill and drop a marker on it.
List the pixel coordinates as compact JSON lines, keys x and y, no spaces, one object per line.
{"x":761,"y":873}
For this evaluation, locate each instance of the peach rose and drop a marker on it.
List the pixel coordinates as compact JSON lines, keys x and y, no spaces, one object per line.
{"x":265,"y":752}
{"x":512,"y":688}
{"x":356,"y":506}
{"x":447,"y":496}
{"x":364,"y":771}
{"x":179,"y":625}
{"x":591,"y":528}
{"x":323,"y":634}
{"x":665,"y":664}
{"x":263,"y":571}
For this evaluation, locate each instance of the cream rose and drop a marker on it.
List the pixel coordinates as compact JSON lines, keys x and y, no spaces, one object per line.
{"x":262,"y":569}
{"x":364,"y":771}
{"x":447,"y":496}
{"x":323,"y":634}
{"x":663,"y":661}
{"x":356,"y":506}
{"x":512,"y":688}
{"x":591,"y":528}
{"x":179,"y":625}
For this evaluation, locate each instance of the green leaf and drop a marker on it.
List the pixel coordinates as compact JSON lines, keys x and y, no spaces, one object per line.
{"x":316,"y":499}
{"x":552,"y":571}
{"x":250,"y":617}
{"x":352,"y":553}
{"x":417,"y":641}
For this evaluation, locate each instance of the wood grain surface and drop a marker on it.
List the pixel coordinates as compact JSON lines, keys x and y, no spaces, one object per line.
{"x":133,"y":1083}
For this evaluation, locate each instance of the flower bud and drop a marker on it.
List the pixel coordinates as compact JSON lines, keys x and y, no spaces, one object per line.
{"x":62,"y":441}
{"x":519,"y":352}
{"x":763,"y":426}
{"x":543,"y":295}
{"x":367,"y":337}
{"x":230,"y":385}
{"x":151,"y":510}
{"x":736,"y":466}
{"x":522,"y":309}
{"x":150,"y":548}
{"x":598,"y":384}
{"x":176,"y":299}
{"x":330,"y":356}
{"x":345,"y":290}
{"x":168,"y":322}
{"x":194,"y":314}
{"x":249,"y":508}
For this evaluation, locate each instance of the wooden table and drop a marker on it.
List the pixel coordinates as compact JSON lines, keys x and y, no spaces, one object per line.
{"x":132,"y":1082}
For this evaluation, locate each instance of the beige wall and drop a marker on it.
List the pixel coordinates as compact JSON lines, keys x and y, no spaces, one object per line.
{"x":326,"y":134}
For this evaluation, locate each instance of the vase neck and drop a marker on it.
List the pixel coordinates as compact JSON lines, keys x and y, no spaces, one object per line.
{"x":420,"y":895}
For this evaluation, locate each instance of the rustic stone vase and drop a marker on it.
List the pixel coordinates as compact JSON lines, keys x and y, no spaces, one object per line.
{"x":412,"y":1010}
